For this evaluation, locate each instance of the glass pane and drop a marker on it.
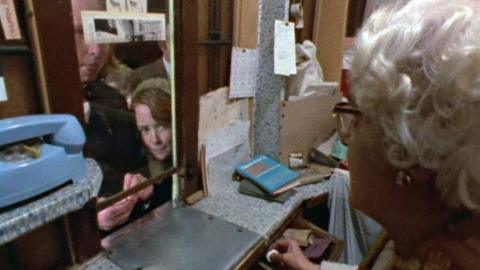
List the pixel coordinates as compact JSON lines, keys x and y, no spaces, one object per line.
{"x":124,"y":67}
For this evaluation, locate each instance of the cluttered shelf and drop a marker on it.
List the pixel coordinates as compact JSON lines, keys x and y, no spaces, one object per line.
{"x":25,"y":218}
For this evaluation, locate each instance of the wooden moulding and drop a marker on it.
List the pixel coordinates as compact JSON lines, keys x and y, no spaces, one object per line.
{"x":188,"y":92}
{"x":36,"y":51}
{"x":203,"y":168}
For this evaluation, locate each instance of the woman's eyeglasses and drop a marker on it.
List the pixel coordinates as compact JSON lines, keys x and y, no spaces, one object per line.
{"x":345,"y":114}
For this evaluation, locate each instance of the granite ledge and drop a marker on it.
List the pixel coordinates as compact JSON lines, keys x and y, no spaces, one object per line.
{"x":25,"y":218}
{"x":256,"y":214}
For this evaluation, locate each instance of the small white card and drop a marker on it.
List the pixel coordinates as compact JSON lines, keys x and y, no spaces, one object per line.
{"x":135,"y":6}
{"x":284,"y":49}
{"x":3,"y":90}
{"x":243,"y":71}
{"x":9,"y":21}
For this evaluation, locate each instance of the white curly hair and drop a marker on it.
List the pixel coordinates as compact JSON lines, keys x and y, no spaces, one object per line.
{"x":416,"y":75}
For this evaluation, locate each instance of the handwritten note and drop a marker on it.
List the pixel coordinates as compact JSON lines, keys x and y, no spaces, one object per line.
{"x":243,"y":71}
{"x":284,"y":49}
{"x":9,"y":21}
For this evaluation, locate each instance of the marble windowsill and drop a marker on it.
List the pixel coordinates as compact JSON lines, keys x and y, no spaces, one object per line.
{"x":255,"y":214}
{"x":26,"y":218}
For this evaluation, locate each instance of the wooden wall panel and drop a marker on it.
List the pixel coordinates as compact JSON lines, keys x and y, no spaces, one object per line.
{"x":246,"y":24}
{"x":329,"y":35}
{"x":18,"y":70}
{"x":225,"y":50}
{"x":308,"y":18}
{"x":20,"y":82}
{"x":56,"y":42}
{"x":203,"y":35}
{"x":188,"y":89}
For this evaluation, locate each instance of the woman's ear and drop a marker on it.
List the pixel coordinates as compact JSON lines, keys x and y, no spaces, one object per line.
{"x":422,"y":175}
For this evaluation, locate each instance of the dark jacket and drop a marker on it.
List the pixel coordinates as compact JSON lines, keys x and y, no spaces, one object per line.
{"x":112,"y":136}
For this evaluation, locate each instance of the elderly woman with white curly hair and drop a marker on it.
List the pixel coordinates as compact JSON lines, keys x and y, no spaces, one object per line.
{"x":413,"y":132}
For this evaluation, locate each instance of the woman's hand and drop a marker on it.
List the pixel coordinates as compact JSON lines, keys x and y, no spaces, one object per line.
{"x":116,"y":214}
{"x":131,"y":180}
{"x":290,"y":256}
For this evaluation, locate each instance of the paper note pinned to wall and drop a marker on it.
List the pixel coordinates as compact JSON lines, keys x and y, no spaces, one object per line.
{"x":284,"y":49}
{"x":3,"y":90}
{"x":243,"y":71}
{"x":9,"y":21}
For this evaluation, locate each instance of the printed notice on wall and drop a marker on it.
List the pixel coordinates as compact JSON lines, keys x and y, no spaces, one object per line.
{"x":9,"y":21}
{"x":284,"y":49}
{"x":3,"y":89}
{"x":243,"y":79}
{"x":105,"y":27}
{"x":133,"y":6}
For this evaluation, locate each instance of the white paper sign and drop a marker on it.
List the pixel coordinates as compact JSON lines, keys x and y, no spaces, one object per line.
{"x":8,"y":18}
{"x":3,"y":90}
{"x":243,"y":71}
{"x":106,"y":27}
{"x":284,"y":49}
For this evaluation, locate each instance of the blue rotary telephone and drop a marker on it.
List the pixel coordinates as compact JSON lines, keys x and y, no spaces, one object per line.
{"x":55,"y":159}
